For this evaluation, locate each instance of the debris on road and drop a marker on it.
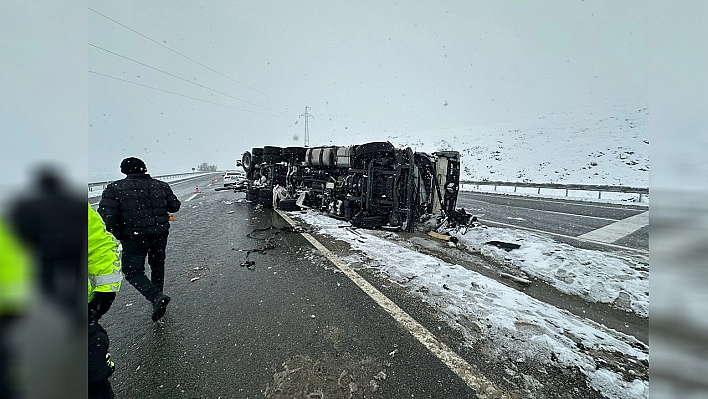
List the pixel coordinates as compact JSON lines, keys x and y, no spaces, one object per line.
{"x":507,"y":246}
{"x":249,"y":264}
{"x":444,"y":237}
{"x":515,"y":278}
{"x":194,"y":279}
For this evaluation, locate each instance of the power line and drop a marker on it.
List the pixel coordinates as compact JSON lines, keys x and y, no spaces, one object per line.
{"x":182,"y":95}
{"x":186,"y":80}
{"x":195,"y":61}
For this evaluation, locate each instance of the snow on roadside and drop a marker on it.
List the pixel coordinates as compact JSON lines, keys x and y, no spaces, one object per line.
{"x":618,"y":279}
{"x":511,"y":324}
{"x":577,"y":195}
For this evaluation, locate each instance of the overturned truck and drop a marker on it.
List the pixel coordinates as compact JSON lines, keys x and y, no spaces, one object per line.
{"x":371,"y":185}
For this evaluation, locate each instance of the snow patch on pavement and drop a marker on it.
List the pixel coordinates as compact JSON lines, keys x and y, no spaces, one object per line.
{"x":619,"y":279}
{"x":510,"y":324}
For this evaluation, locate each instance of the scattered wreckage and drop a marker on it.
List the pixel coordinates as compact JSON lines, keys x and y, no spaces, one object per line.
{"x":372,"y":185}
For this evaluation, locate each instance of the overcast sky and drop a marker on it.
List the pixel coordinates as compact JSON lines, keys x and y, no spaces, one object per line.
{"x":365,"y":66}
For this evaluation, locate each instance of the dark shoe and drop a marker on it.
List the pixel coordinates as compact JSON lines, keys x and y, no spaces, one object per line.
{"x":101,"y":391}
{"x":159,"y":306}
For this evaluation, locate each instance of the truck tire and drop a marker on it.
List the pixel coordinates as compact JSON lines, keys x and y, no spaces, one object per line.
{"x":256,"y":156}
{"x":272,"y":154}
{"x":252,"y":195}
{"x":369,"y":222}
{"x":296,"y":154}
{"x":372,"y":148}
{"x":265,"y":197}
{"x":246,"y":161}
{"x":288,"y":205}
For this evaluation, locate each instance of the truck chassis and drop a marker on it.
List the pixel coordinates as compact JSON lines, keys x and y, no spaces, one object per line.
{"x":372,"y":185}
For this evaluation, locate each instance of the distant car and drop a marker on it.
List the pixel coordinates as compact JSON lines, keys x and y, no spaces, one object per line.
{"x":231,"y":178}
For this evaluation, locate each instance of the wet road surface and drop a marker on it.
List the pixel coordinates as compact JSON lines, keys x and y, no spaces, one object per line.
{"x":566,"y":219}
{"x":291,"y":327}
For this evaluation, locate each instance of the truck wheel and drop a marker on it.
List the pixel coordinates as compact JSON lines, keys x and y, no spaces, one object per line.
{"x":369,"y":222}
{"x":252,"y":195}
{"x":297,"y":154}
{"x":374,"y":148}
{"x":272,"y":154}
{"x":246,"y":161}
{"x":265,"y":197}
{"x":256,"y":156}
{"x":288,"y":205}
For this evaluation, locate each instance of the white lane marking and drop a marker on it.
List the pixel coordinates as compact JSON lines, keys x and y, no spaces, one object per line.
{"x":191,"y":198}
{"x":619,"y":229}
{"x":644,"y":251}
{"x":558,"y":213}
{"x":468,"y":373}
{"x":574,"y":202}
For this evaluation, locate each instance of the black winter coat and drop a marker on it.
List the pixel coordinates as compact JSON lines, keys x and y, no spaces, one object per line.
{"x":137,"y":206}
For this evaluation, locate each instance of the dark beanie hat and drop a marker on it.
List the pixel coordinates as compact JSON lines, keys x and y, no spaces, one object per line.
{"x":132,"y":166}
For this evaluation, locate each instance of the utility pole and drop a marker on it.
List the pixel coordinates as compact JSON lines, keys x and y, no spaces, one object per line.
{"x":307,"y":128}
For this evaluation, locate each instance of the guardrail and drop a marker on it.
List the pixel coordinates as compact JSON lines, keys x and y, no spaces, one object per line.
{"x":102,"y":185}
{"x":567,"y":187}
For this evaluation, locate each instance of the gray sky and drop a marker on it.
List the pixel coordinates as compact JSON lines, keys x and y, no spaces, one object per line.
{"x":367,"y":66}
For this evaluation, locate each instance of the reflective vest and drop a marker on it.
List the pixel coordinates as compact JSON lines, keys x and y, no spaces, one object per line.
{"x":15,"y":273}
{"x":104,"y":263}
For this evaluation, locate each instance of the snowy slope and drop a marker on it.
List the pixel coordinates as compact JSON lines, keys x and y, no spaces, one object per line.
{"x":594,"y":144}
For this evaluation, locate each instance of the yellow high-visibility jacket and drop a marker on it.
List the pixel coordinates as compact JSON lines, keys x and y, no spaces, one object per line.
{"x":104,"y":262}
{"x":15,"y":273}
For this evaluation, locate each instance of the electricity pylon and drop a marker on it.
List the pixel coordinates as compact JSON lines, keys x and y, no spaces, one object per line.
{"x":307,"y":127}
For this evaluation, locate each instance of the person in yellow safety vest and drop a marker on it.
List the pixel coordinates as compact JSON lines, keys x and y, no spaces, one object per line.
{"x":15,"y":283}
{"x":104,"y":277}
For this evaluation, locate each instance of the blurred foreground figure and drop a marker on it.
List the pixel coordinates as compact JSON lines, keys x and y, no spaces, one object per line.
{"x":14,"y":300}
{"x":50,"y":221}
{"x":135,"y":210}
{"x":104,"y":279}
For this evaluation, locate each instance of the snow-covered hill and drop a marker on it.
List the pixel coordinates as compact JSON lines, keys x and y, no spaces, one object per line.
{"x":593,"y":144}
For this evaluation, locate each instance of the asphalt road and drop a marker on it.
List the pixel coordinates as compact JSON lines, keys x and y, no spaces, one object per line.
{"x":567,"y":220}
{"x":292,"y":326}
{"x":289,"y":328}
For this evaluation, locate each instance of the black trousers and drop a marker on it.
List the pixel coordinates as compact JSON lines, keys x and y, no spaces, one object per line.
{"x":100,"y":366}
{"x":7,"y":383}
{"x":134,"y":253}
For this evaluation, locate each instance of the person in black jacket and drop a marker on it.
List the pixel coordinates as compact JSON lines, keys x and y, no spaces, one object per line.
{"x":135,"y":210}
